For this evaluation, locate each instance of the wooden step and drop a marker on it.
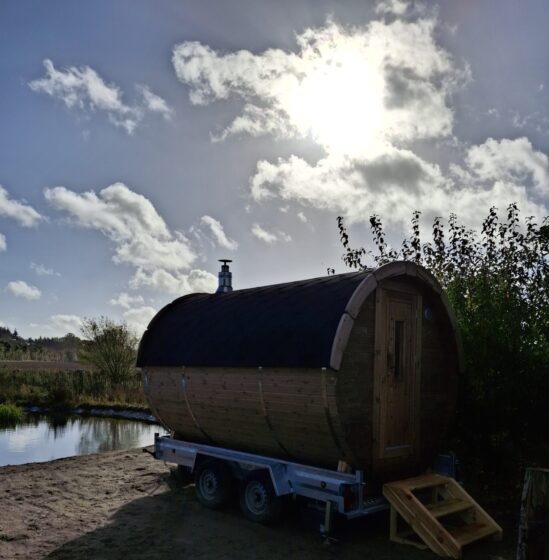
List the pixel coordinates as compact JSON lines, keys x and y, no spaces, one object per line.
{"x":427,"y":520}
{"x":471,"y":533}
{"x":421,"y":482}
{"x":447,"y":507}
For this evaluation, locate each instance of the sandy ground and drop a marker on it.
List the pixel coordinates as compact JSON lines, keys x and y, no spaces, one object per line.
{"x":125,"y":505}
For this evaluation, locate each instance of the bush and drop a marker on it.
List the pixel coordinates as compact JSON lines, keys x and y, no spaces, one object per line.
{"x":109,"y":346}
{"x":498,"y":284}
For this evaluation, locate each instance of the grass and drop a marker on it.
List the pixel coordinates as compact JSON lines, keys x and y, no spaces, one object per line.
{"x":65,"y":388}
{"x":10,"y":414}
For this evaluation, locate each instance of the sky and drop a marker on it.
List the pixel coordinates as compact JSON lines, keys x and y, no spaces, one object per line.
{"x":141,"y":141}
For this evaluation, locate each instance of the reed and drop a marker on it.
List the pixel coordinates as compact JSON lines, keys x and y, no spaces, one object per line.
{"x":28,"y":387}
{"x":10,"y":414}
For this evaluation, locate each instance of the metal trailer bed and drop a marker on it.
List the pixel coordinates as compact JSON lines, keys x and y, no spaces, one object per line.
{"x":340,"y":492}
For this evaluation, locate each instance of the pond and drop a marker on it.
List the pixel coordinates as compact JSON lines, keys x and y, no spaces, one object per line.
{"x":43,"y":438}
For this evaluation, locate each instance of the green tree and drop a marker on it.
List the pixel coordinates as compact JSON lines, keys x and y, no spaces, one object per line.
{"x":498,"y":284}
{"x":109,"y":346}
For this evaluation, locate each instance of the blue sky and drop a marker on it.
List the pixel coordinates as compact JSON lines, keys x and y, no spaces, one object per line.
{"x":141,"y":141}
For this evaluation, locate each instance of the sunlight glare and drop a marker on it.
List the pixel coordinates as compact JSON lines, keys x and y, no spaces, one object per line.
{"x":339,"y":101}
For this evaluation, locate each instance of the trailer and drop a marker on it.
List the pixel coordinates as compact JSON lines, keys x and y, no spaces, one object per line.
{"x":273,"y":387}
{"x":264,"y":482}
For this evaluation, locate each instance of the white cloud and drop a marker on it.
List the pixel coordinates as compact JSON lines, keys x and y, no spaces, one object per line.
{"x":164,"y":281}
{"x":42,"y":270}
{"x":392,"y":185}
{"x":302,"y":217}
{"x":396,"y":7}
{"x":140,"y":236}
{"x":21,"y":289}
{"x":3,"y":245}
{"x":86,"y":90}
{"x":356,"y":92}
{"x":138,"y":319}
{"x":219,"y":233}
{"x":19,"y":211}
{"x":126,"y":300}
{"x":350,"y":89}
{"x":269,"y":236}
{"x":60,"y":325}
{"x":155,"y":103}
{"x":64,"y":324}
{"x":515,"y":161}
{"x":366,"y":95}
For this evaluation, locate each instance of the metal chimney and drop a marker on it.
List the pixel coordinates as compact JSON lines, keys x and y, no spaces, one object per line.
{"x":225,"y":278}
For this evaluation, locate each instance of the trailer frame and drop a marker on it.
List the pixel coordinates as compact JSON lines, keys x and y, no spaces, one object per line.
{"x":341,"y":492}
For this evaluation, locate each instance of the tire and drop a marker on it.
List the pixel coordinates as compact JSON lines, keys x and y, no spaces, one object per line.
{"x":258,"y":500}
{"x":213,"y":484}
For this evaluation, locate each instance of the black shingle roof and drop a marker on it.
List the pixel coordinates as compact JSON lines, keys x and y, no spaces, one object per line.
{"x":283,"y":325}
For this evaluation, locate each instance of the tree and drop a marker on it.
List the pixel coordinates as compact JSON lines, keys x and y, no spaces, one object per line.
{"x":109,"y":346}
{"x":498,"y":284}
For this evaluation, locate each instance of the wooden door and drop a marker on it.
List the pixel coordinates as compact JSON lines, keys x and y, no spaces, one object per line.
{"x":397,"y":367}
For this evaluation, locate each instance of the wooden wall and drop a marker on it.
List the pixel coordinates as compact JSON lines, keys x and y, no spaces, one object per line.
{"x":280,"y":412}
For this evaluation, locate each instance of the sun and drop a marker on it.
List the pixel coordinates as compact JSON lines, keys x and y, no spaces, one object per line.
{"x":339,"y":102}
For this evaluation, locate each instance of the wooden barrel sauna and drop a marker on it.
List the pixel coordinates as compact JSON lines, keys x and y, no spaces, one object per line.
{"x":361,"y":367}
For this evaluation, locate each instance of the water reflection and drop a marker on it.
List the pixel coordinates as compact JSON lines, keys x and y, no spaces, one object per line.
{"x":43,"y":438}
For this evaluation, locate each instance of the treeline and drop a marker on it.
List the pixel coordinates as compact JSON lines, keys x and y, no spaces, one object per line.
{"x":55,"y":349}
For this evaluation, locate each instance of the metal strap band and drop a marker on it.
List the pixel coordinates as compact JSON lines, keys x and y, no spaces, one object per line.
{"x":324,"y":387}
{"x":184,"y":387}
{"x":266,"y":414}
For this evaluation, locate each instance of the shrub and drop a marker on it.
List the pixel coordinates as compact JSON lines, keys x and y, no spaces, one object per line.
{"x":109,"y":346}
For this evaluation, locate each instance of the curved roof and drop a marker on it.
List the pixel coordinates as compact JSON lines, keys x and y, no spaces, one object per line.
{"x":296,"y":324}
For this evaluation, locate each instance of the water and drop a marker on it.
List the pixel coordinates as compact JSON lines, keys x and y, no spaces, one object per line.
{"x":43,"y":438}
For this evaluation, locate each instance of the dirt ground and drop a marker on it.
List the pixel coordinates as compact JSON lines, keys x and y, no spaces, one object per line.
{"x":125,"y":505}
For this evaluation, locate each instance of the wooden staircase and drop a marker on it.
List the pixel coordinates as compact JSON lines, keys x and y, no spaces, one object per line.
{"x":437,"y":510}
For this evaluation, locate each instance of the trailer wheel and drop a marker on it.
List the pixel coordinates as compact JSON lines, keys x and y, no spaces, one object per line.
{"x":258,"y":500}
{"x":213,"y":484}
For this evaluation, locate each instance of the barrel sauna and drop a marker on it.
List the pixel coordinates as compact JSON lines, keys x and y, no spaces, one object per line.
{"x":360,"y":367}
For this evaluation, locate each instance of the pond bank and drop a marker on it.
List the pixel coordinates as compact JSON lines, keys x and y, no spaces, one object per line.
{"x":142,"y":415}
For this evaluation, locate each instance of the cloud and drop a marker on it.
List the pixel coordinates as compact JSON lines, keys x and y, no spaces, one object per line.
{"x":21,"y":212}
{"x":155,"y":103}
{"x":515,"y":161}
{"x":395,"y":7}
{"x":66,"y":323}
{"x":349,"y":89}
{"x":41,"y":270}
{"x":83,"y":88}
{"x":139,"y":235}
{"x":195,"y":280}
{"x":367,"y":96}
{"x":126,"y":300}
{"x":392,"y":185}
{"x":302,"y":217}
{"x":219,"y":234}
{"x":138,"y":318}
{"x":3,"y":245}
{"x":21,"y":289}
{"x":268,"y":236}
{"x":60,"y":325}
